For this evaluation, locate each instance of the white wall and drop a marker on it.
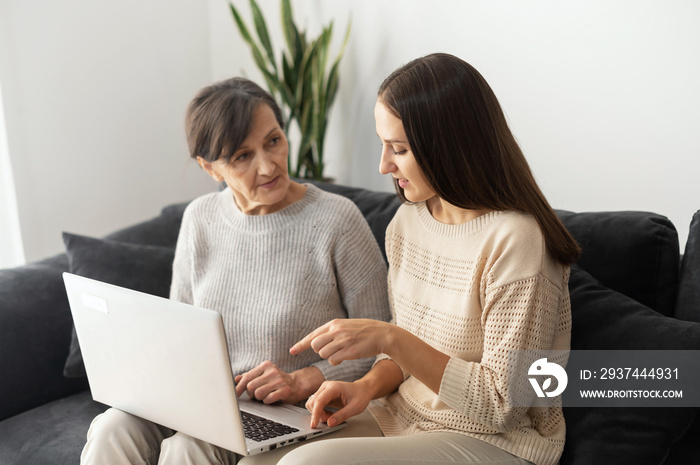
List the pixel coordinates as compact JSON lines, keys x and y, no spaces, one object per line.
{"x":12,"y":250}
{"x":603,"y":95}
{"x":94,"y":95}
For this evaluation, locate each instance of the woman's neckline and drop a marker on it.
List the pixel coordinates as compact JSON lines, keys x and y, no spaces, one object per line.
{"x":467,"y":228}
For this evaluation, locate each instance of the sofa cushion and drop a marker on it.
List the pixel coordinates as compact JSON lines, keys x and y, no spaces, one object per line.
{"x":688,"y":302}
{"x":603,"y":319}
{"x":145,"y":268}
{"x":54,"y":433}
{"x":635,"y":253}
{"x":35,"y":325}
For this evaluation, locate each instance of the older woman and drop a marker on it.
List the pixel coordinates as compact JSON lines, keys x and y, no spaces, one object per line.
{"x":275,"y":257}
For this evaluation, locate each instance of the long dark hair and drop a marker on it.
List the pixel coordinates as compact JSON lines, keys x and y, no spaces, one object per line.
{"x":218,"y":118}
{"x":461,"y":141}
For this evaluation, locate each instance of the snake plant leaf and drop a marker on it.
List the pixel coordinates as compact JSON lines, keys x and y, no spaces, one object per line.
{"x":296,"y":40}
{"x":304,"y":69}
{"x":270,"y":78}
{"x":324,"y":109}
{"x":305,"y":116}
{"x":261,"y":28}
{"x":319,"y":98}
{"x":305,"y":154}
{"x":300,"y":47}
{"x":345,"y":44}
{"x":288,"y":74}
{"x":317,"y":126}
{"x":241,"y":25}
{"x":288,"y":84}
{"x":289,"y":28}
{"x":326,"y":96}
{"x":332,"y":84}
{"x":324,"y":47}
{"x":333,"y":76}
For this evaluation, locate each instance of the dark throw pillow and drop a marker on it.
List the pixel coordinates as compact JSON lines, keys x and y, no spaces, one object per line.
{"x":603,"y":319}
{"x":632,"y":252}
{"x":145,"y":268}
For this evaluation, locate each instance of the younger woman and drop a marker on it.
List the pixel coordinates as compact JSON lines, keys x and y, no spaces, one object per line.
{"x":478,"y":268}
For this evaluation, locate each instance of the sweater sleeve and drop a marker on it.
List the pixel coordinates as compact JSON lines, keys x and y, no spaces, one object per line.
{"x":523,"y":304}
{"x":522,"y":315}
{"x":181,"y":284}
{"x":361,"y":276}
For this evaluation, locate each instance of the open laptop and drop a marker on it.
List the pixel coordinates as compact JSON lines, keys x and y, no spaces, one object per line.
{"x":168,"y":362}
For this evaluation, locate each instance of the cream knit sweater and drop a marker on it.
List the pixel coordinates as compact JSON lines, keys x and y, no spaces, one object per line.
{"x":476,"y":291}
{"x":274,"y":278}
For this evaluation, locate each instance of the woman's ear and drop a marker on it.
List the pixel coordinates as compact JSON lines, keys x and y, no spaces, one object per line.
{"x":209,"y":168}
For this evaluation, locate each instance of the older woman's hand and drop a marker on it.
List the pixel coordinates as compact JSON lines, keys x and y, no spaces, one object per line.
{"x":350,"y":339}
{"x":269,"y":384}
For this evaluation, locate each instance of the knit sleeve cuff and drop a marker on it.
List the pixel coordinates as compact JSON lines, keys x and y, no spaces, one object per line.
{"x":454,"y":384}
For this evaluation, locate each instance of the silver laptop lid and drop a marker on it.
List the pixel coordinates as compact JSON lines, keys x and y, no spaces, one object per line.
{"x":157,"y":359}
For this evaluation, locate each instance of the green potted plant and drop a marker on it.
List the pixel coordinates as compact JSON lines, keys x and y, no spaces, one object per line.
{"x":303,"y":81}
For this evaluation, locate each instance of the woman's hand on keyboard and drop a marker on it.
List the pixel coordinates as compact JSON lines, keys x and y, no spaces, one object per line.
{"x":269,"y":384}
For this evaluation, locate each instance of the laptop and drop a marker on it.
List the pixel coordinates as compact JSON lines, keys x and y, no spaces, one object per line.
{"x":168,"y":362}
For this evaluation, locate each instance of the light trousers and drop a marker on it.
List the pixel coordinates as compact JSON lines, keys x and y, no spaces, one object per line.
{"x":418,"y":449}
{"x":118,"y":438}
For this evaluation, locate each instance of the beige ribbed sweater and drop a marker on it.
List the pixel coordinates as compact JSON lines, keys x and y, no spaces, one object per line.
{"x":476,"y":291}
{"x":275,"y":278}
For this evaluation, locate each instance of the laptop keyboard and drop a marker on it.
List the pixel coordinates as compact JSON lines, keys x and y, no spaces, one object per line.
{"x":259,"y":428}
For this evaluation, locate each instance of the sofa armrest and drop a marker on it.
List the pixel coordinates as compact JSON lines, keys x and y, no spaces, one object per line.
{"x":688,"y":303}
{"x":35,"y":328}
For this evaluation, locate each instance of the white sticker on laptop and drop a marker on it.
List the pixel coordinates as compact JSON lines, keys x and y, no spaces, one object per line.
{"x":95,"y":303}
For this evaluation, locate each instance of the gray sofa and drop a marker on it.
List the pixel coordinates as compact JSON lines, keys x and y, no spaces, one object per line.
{"x":632,"y":289}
